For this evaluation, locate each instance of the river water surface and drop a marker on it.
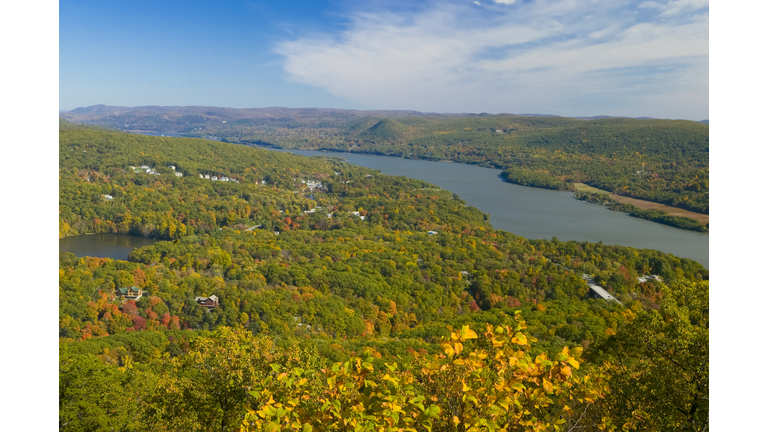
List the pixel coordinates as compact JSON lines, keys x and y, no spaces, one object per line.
{"x":537,"y":213}
{"x":103,"y":245}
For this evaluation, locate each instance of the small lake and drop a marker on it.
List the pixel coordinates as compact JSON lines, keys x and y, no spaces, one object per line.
{"x":537,"y":213}
{"x":103,"y":245}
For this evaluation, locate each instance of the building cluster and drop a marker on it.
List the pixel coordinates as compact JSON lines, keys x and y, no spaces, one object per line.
{"x":310,"y":184}
{"x":221,"y":178}
{"x":149,"y":170}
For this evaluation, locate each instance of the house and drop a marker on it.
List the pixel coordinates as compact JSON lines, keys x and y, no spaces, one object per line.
{"x":144,"y":167}
{"x":109,"y":197}
{"x":132,"y":293}
{"x":208,"y":176}
{"x":499,"y":131}
{"x":208,"y":302}
{"x":172,"y":167}
{"x":432,"y":232}
{"x":178,"y":174}
{"x":201,"y":176}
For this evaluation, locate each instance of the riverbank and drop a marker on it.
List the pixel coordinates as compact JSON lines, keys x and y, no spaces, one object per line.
{"x":645,"y":205}
{"x":602,"y":198}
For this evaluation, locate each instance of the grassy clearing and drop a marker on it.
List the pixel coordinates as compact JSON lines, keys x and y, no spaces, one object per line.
{"x":581,"y":187}
{"x":645,"y":205}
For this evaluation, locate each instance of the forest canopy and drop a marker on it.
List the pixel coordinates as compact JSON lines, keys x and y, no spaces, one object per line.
{"x":317,"y":271}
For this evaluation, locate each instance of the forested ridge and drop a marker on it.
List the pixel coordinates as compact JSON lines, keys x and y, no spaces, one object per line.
{"x":665,"y":161}
{"x":363,"y":302}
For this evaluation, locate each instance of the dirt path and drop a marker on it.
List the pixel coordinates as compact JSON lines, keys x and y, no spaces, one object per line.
{"x":648,"y":205}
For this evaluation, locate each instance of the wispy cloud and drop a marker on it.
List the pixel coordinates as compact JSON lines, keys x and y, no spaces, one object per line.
{"x":674,"y":7}
{"x":566,"y":57}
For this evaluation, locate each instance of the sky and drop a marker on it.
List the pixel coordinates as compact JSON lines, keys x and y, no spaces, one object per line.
{"x":563,"y":57}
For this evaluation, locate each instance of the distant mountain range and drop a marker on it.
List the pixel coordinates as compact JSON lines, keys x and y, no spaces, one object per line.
{"x":109,"y":115}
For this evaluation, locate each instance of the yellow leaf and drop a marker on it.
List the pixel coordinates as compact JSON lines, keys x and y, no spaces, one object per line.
{"x":448,"y":350}
{"x":572,"y":361}
{"x":467,"y":333}
{"x":520,"y":339}
{"x":547,"y":385}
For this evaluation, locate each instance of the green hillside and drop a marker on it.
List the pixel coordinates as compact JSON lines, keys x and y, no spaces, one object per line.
{"x":312,"y":262}
{"x":665,"y":161}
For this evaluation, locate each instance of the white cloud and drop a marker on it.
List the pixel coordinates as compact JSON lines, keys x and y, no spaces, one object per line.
{"x":506,"y":2}
{"x":558,"y":56}
{"x":676,"y":6}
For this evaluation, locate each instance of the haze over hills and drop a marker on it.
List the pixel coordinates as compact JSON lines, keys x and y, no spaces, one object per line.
{"x":102,"y":114}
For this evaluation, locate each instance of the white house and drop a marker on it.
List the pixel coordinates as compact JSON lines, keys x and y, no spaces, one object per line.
{"x":208,"y":176}
{"x":109,"y":197}
{"x":432,"y":232}
{"x":178,"y":174}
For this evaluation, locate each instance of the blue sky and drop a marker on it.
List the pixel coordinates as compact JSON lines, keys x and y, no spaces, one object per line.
{"x":564,"y":57}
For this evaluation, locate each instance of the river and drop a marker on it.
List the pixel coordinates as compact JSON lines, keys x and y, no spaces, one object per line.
{"x":537,"y":213}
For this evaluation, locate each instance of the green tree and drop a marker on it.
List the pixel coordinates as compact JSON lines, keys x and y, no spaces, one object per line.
{"x":95,"y":396}
{"x":659,"y":364}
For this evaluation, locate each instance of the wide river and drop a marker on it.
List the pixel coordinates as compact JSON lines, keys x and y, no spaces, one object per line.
{"x":537,"y":213}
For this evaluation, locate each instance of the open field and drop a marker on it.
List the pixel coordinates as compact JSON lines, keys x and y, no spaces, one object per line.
{"x":581,"y":187}
{"x":645,"y":205}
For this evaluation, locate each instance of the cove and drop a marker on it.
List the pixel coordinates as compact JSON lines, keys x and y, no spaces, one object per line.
{"x":536,"y":213}
{"x":103,"y":245}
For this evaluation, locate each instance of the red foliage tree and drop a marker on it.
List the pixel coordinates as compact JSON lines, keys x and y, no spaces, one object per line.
{"x":139,"y":323}
{"x":129,"y":308}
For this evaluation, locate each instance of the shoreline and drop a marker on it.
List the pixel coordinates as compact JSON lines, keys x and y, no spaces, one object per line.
{"x":645,"y":205}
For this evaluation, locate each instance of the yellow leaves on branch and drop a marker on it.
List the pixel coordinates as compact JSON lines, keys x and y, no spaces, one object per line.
{"x":492,"y":384}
